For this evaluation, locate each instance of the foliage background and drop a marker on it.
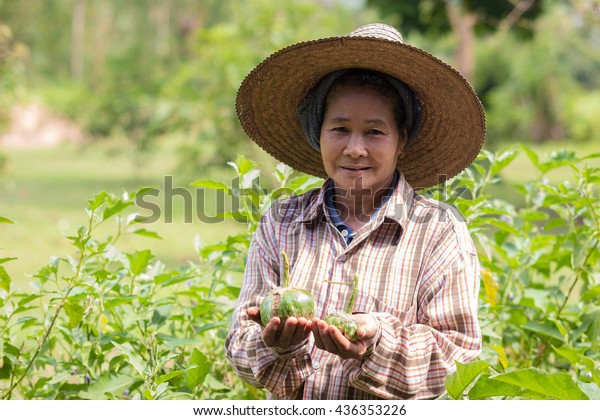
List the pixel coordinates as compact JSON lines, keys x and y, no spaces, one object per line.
{"x":116,"y":312}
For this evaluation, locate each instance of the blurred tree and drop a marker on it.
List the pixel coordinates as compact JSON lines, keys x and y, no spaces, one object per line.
{"x":549,"y":87}
{"x":464,"y":18}
{"x":221,"y":54}
{"x":13,"y":55}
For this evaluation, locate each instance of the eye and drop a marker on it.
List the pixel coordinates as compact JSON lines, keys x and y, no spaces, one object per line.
{"x":340,"y":129}
{"x":375,"y":132}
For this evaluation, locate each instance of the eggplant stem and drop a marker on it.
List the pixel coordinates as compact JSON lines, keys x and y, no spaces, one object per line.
{"x":285,"y":277}
{"x":350,"y":303}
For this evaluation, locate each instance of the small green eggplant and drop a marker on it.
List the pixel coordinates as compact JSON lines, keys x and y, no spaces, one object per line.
{"x":285,"y":301}
{"x":343,"y":320}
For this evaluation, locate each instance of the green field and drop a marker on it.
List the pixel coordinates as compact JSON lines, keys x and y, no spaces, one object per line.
{"x":45,"y":191}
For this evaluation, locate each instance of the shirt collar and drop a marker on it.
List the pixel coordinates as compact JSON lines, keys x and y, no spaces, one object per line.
{"x":314,"y":208}
{"x":396,"y":207}
{"x":399,"y":206}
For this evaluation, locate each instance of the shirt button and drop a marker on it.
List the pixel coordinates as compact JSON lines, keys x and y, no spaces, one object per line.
{"x":316,"y":365}
{"x":344,"y":233}
{"x":343,"y":257}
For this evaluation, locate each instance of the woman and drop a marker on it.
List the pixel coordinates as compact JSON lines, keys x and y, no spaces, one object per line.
{"x":377,"y":118}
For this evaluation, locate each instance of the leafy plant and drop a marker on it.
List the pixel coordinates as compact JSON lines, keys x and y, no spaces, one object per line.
{"x":540,"y":310}
{"x":107,"y":323}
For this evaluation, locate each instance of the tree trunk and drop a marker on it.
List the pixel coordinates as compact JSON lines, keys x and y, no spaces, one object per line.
{"x":162,"y":19}
{"x":463,"y":24}
{"x":102,"y":37}
{"x":78,"y":40}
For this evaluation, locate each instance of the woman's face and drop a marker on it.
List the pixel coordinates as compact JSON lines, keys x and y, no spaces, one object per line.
{"x":360,"y":141}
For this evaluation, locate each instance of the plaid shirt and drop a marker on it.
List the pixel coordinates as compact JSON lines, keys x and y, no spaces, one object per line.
{"x":418,"y":275}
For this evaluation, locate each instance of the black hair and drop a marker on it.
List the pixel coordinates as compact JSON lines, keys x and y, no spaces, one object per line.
{"x":378,"y":83}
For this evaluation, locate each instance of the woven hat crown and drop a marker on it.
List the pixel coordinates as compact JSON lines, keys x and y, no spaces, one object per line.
{"x":378,"y":30}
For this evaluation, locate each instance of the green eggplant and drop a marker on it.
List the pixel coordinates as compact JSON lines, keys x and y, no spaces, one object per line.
{"x":285,"y":301}
{"x":343,"y":320}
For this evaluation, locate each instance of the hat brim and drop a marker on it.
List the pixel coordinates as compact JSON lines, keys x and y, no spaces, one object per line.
{"x":453,"y":120}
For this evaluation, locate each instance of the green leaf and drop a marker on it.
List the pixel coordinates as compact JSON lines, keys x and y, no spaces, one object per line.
{"x":242,"y":165}
{"x":118,"y":207}
{"x":173,"y":342}
{"x":97,"y":201}
{"x":3,"y":260}
{"x":560,"y":386}
{"x":554,"y":223}
{"x":458,"y":382}
{"x":591,"y":294}
{"x":200,"y":366}
{"x":503,"y":160}
{"x":215,"y":385}
{"x":533,"y":157}
{"x":74,"y":312}
{"x":5,"y":280}
{"x":593,"y":331}
{"x":168,"y":376}
{"x":109,"y":382}
{"x":6,"y":368}
{"x":135,"y":359}
{"x":534,"y":216}
{"x":561,"y":329}
{"x":212,"y":185}
{"x":5,"y":220}
{"x":59,"y":377}
{"x":503,"y":226}
{"x":147,"y":233}
{"x":591,"y":156}
{"x":487,"y":387}
{"x":139,"y":260}
{"x":543,"y":329}
{"x":592,"y":390}
{"x":212,"y":325}
{"x":572,"y":355}
{"x":27,"y":320}
{"x":160,"y":389}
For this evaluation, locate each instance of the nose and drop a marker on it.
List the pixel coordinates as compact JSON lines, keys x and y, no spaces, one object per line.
{"x":355,"y":147}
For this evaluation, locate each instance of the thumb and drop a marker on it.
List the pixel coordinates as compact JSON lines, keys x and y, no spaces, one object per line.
{"x":254,"y":313}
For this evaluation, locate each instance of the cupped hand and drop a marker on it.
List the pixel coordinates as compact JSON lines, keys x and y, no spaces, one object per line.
{"x":293,"y":332}
{"x":329,"y":338}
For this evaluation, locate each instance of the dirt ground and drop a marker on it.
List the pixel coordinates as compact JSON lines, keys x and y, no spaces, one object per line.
{"x":32,"y":125}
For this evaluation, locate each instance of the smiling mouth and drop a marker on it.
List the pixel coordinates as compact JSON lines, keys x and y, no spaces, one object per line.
{"x":355,"y":168}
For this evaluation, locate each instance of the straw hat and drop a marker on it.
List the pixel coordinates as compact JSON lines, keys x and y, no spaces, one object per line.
{"x":452,"y":117}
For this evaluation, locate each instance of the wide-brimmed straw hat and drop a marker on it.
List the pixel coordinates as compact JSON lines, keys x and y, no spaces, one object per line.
{"x":452,"y":117}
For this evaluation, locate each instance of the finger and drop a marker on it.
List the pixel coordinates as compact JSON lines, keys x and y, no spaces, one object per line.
{"x":368,"y":326}
{"x":300,"y":334}
{"x":308,"y":328}
{"x":348,"y":349}
{"x":317,"y":335}
{"x":339,"y":340}
{"x":287,"y":334}
{"x":254,"y":313}
{"x":270,"y":332}
{"x":326,"y":330}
